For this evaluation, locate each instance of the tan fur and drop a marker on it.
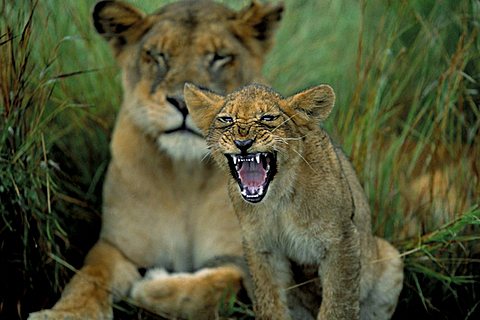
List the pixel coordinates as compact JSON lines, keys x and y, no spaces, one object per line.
{"x":314,"y":213}
{"x":431,"y":186}
{"x":164,"y":206}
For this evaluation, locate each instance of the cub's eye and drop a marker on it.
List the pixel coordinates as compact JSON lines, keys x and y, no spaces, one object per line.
{"x":225,"y":119}
{"x":217,"y":60}
{"x":268,"y":117}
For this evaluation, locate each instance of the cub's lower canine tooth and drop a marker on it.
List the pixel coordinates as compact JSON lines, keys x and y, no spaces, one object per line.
{"x":257,"y":157}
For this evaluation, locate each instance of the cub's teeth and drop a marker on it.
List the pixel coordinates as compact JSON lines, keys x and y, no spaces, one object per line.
{"x":234,"y":159}
{"x":257,"y":157}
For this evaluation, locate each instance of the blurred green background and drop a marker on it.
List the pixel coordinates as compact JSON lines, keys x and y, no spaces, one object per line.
{"x":406,"y":74}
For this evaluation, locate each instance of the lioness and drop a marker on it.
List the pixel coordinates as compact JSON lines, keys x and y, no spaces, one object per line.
{"x":298,"y":200}
{"x":164,"y":205}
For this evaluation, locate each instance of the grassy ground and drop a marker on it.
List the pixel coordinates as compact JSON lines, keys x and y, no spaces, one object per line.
{"x":406,"y":75}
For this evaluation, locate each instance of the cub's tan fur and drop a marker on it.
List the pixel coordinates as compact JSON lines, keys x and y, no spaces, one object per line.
{"x":312,"y":213}
{"x":163,"y":205}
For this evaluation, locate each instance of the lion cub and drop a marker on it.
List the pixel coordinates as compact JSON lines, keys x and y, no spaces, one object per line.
{"x":299,"y":202}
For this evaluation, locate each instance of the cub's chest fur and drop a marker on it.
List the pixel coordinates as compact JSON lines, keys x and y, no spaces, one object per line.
{"x":280,"y":229}
{"x":300,"y":243}
{"x":301,"y":234}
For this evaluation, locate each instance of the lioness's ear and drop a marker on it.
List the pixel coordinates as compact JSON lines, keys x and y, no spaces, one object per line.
{"x":314,"y":104}
{"x":258,"y":23}
{"x":119,"y":23}
{"x":202,"y":105}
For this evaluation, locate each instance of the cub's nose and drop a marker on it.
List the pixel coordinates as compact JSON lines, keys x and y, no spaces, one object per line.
{"x":243,"y":145}
{"x":178,"y":103}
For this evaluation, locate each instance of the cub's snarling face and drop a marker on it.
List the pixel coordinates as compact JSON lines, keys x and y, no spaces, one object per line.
{"x":259,"y":132}
{"x":189,"y":41}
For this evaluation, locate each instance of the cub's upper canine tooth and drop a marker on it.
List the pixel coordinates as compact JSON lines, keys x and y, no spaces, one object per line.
{"x":234,"y":159}
{"x":257,"y":157}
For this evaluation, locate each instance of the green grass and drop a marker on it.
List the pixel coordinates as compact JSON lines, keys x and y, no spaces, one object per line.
{"x":406,"y":74}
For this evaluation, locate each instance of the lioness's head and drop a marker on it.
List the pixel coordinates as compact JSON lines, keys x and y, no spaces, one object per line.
{"x":259,"y":132}
{"x":189,"y":41}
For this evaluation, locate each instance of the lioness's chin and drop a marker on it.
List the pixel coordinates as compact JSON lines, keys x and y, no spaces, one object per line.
{"x":183,"y":146}
{"x":253,"y":173}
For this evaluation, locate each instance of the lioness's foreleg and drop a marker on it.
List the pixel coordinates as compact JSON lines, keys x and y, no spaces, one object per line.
{"x":89,"y":294}
{"x":187,"y":295}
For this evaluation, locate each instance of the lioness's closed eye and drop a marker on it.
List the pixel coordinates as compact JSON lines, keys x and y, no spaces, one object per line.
{"x":299,"y":201}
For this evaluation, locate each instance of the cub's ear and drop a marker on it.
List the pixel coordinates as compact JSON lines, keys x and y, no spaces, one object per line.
{"x":312,"y":105}
{"x":119,"y":23}
{"x":256,"y":24}
{"x":202,"y":105}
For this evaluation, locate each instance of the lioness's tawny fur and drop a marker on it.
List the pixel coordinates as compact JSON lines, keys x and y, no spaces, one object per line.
{"x":163,"y":206}
{"x":299,"y":203}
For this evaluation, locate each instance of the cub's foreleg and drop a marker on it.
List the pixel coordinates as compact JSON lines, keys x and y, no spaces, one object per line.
{"x":340,"y":277}
{"x":271,"y":275}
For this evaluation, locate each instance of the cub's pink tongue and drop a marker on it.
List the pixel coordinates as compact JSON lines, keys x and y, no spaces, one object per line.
{"x":252,"y":175}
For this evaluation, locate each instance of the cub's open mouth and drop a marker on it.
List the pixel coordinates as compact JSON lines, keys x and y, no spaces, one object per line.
{"x":253,"y":172}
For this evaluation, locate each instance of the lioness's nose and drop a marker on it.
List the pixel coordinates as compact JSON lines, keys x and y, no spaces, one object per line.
{"x":178,"y":103}
{"x":243,"y":145}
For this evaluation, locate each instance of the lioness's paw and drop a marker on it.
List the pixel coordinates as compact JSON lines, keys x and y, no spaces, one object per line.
{"x":186,"y":295}
{"x":69,"y":315}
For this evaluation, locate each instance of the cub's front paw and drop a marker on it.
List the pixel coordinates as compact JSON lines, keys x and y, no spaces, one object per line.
{"x":187,"y":295}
